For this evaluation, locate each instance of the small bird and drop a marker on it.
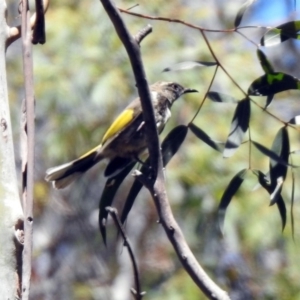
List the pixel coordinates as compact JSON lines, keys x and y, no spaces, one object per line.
{"x":125,"y":139}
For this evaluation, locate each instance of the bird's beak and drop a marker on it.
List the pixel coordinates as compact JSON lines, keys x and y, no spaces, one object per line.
{"x":185,"y":91}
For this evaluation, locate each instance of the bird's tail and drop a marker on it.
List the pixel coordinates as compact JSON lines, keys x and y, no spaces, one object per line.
{"x":63,"y":175}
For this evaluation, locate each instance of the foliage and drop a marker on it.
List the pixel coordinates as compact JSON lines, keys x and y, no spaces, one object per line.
{"x":83,"y":78}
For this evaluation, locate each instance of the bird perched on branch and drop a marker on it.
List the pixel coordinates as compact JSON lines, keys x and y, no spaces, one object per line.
{"x":125,"y":139}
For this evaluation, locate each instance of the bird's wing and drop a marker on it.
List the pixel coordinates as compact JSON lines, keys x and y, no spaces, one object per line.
{"x":121,"y":122}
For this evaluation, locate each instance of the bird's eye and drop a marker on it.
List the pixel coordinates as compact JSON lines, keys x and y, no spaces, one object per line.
{"x":175,"y":86}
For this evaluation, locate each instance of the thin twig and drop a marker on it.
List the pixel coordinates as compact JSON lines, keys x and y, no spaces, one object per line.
{"x":206,"y":93}
{"x":173,"y":21}
{"x":137,"y":294}
{"x":143,"y":33}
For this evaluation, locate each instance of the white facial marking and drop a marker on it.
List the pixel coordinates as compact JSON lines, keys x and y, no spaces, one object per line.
{"x":153,"y":95}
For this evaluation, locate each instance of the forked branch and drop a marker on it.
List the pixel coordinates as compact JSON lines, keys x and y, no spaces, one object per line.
{"x":156,"y":185}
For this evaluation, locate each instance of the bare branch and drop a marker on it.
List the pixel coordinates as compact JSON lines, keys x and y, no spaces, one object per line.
{"x":137,"y":294}
{"x":143,"y":33}
{"x":14,"y":33}
{"x":157,"y":190}
{"x":133,"y":51}
{"x":28,"y":147}
{"x":126,"y":11}
{"x":176,"y":237}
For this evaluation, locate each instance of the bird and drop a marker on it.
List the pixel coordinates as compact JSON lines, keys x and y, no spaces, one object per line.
{"x":125,"y":140}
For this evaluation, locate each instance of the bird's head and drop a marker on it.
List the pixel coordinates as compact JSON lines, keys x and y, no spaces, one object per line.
{"x":171,"y":90}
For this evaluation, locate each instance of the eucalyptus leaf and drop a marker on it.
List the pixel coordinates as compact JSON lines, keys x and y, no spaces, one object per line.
{"x":169,"y":146}
{"x":273,"y":83}
{"x":230,"y":191}
{"x":282,"y":210}
{"x":295,"y":120}
{"x":265,"y":183}
{"x":218,"y":146}
{"x":264,"y":62}
{"x":239,"y":126}
{"x":107,"y":197}
{"x":278,"y":171}
{"x":281,"y":33}
{"x":189,"y":65}
{"x":242,"y":11}
{"x":271,"y":154}
{"x":219,"y":97}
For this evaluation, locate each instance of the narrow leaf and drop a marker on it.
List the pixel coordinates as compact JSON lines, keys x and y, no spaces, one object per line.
{"x":205,"y":138}
{"x":241,"y":12}
{"x":269,"y":100}
{"x":271,"y":154}
{"x":219,"y":97}
{"x":281,"y":33}
{"x":239,"y":126}
{"x":264,"y":62}
{"x":262,"y":178}
{"x":230,"y":191}
{"x":169,"y":146}
{"x":282,"y":211}
{"x":172,"y":143}
{"x":281,"y":146}
{"x":189,"y":65}
{"x":108,"y":194}
{"x":292,"y":204}
{"x":295,"y":120}
{"x":273,"y":83}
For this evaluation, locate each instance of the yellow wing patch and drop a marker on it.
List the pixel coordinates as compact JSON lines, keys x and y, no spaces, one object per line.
{"x":90,"y":152}
{"x":121,"y":122}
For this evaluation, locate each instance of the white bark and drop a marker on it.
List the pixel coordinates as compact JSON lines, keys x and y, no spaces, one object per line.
{"x":10,"y":205}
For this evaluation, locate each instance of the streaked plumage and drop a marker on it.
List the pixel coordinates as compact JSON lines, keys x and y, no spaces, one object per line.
{"x":125,"y":139}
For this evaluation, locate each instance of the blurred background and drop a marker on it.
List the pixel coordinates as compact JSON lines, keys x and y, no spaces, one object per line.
{"x":83,"y":79}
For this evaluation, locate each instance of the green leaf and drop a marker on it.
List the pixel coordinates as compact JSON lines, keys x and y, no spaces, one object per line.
{"x":172,"y":143}
{"x":269,"y":100}
{"x":264,"y":62}
{"x":205,"y":138}
{"x":241,"y":12}
{"x":239,"y":126}
{"x":263,"y":179}
{"x":108,"y":194}
{"x":189,"y":65}
{"x":292,"y":204}
{"x":219,"y":97}
{"x":271,"y":154}
{"x":282,"y":210}
{"x":265,"y":183}
{"x":281,"y":146}
{"x":273,"y":83}
{"x":295,"y":120}
{"x":230,"y":191}
{"x":116,"y":165}
{"x":281,"y":33}
{"x":169,"y":146}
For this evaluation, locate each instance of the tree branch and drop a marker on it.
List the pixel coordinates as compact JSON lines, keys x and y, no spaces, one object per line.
{"x":28,"y":149}
{"x":133,"y":51}
{"x":11,"y":214}
{"x":137,"y":293}
{"x":14,"y":33}
{"x":157,"y":187}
